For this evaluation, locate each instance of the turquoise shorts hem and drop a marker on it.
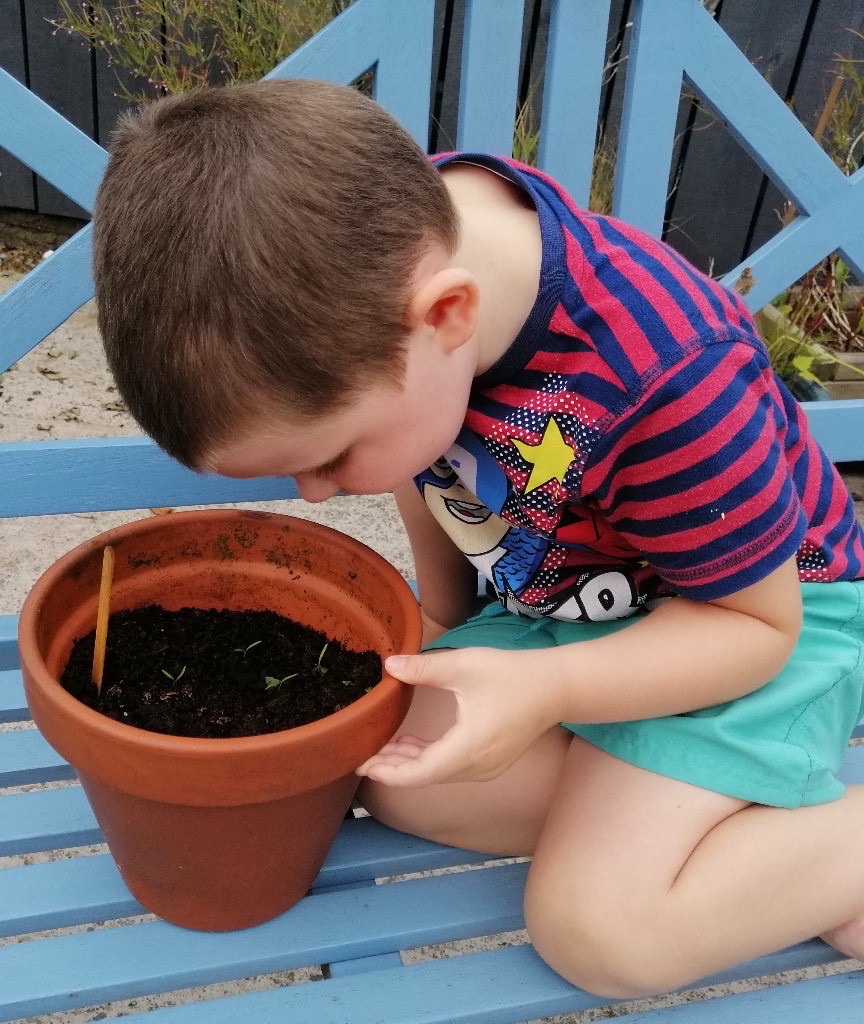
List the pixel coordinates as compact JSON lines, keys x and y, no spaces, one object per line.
{"x":782,"y":745}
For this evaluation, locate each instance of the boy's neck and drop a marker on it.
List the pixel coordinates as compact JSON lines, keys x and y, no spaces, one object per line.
{"x":501,"y":245}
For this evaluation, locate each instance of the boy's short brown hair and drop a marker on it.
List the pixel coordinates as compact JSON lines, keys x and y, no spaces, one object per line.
{"x":254,"y":251}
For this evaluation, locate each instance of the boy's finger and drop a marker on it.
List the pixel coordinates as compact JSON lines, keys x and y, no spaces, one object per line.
{"x":398,"y":750}
{"x":438,"y":762}
{"x":420,"y":669}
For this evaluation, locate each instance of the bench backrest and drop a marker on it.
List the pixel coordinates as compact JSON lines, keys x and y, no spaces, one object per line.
{"x":672,"y":41}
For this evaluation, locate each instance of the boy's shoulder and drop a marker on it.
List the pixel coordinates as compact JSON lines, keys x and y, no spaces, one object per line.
{"x":615,"y":282}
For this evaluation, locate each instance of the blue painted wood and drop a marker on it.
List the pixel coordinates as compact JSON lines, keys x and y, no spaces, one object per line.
{"x":50,"y":819}
{"x":63,"y":893}
{"x":48,"y":295}
{"x":807,"y":240}
{"x":488,"y":91}
{"x":25,"y":758}
{"x":838,"y":427}
{"x":13,"y":707}
{"x":83,"y":969}
{"x":572,"y":84}
{"x":819,"y":1001}
{"x":651,"y":93}
{"x":365,"y":964}
{"x":395,"y":38}
{"x":94,"y":475}
{"x":852,"y":770}
{"x":364,"y":849}
{"x":9,"y":643}
{"x":46,"y":142}
{"x":496,"y":987}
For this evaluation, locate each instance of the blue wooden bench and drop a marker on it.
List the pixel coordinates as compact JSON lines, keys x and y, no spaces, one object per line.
{"x":349,"y":923}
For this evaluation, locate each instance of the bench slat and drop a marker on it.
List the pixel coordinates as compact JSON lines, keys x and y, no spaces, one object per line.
{"x":9,"y":658}
{"x":59,"y":894}
{"x":91,"y":967}
{"x":813,"y":1001}
{"x":25,"y":758}
{"x":503,"y":986}
{"x":85,"y":890}
{"x":50,"y":819}
{"x":101,"y":474}
{"x":13,"y":707}
{"x":838,"y":426}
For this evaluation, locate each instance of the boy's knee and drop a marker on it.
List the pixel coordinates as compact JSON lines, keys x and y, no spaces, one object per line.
{"x":604,"y":952}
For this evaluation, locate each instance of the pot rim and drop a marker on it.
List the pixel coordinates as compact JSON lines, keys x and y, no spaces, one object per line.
{"x":193,"y":746}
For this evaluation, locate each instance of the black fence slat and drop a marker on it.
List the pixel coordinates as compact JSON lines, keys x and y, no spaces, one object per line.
{"x":17,"y":182}
{"x":617,"y":49}
{"x":449,"y":98}
{"x":440,"y":44}
{"x":535,"y":40}
{"x":113,"y":87}
{"x":61,"y":73}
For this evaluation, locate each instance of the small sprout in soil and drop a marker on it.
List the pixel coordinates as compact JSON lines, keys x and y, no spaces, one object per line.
{"x":318,"y":665}
{"x":245,"y":650}
{"x":178,"y":677}
{"x":272,"y":682}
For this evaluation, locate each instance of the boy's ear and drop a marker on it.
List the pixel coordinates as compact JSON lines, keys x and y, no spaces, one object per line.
{"x":447,"y":303}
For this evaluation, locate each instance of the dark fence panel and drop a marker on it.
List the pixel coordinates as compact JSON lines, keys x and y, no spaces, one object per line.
{"x":721,"y":206}
{"x":17,"y":183}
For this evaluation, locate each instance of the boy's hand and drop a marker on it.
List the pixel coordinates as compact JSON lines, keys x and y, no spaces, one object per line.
{"x":501,"y":709}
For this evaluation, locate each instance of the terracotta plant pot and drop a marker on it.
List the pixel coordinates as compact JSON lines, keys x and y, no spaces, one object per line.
{"x":219,"y":834}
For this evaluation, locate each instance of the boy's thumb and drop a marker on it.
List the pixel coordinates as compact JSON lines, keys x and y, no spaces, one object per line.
{"x":410,"y":668}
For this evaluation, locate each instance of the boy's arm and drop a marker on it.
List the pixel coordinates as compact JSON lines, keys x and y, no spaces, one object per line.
{"x":446,"y":580}
{"x":682,"y":656}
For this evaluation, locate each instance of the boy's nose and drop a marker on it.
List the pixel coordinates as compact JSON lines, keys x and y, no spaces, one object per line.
{"x":313,"y":489}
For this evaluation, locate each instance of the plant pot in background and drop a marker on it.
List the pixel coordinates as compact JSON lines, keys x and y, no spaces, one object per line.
{"x":219,"y":834}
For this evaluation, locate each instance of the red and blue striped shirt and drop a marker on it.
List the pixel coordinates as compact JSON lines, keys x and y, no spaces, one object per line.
{"x":633,"y":442}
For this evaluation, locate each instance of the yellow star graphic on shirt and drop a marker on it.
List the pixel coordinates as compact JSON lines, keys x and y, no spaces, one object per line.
{"x":549,"y":460}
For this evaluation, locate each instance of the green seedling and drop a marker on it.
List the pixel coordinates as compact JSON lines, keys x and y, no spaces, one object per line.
{"x":178,"y":677}
{"x":318,"y":665}
{"x":272,"y":682}
{"x":245,"y":650}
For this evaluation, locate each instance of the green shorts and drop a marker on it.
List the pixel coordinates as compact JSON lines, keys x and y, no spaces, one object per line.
{"x":781,"y":745}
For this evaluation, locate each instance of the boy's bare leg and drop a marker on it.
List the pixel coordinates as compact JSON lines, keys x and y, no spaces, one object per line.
{"x":641,"y":884}
{"x":502,"y":817}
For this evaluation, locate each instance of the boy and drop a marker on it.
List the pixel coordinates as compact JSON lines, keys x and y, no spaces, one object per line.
{"x":287,"y":286}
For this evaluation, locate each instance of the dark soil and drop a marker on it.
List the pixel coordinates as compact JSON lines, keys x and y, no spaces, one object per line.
{"x":212,"y":673}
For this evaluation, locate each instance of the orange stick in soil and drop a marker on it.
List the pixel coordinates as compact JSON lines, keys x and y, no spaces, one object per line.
{"x":102,"y":616}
